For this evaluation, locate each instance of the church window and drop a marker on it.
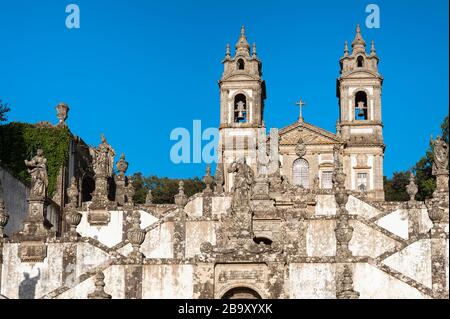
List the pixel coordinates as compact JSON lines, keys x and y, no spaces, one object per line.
{"x":300,"y":173}
{"x":327,"y":181}
{"x":361,"y":106}
{"x":240,"y":108}
{"x":360,"y":62}
{"x":361,"y":181}
{"x":241,"y":64}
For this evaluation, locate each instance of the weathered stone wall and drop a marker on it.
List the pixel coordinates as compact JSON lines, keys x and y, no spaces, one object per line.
{"x":391,"y":251}
{"x":15,"y":196}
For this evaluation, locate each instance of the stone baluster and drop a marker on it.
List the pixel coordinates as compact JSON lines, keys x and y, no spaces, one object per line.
{"x":73,"y":217}
{"x":99,"y":292}
{"x":345,"y":289}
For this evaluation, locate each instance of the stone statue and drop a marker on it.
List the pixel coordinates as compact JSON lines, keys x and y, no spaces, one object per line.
{"x":103,"y":158}
{"x":440,"y":154}
{"x":243,"y":181}
{"x":37,"y":167}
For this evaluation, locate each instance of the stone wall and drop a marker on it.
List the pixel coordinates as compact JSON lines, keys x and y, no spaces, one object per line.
{"x":15,"y":196}
{"x":391,"y":254}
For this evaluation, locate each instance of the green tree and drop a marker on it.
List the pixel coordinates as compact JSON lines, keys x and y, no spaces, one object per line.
{"x":163,"y":188}
{"x":395,"y":188}
{"x":426,"y":182}
{"x":423,"y":168}
{"x":4,"y":108}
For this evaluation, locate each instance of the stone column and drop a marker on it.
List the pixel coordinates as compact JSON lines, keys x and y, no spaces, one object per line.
{"x":276,"y":279}
{"x":179,"y":232}
{"x":4,"y":217}
{"x":436,"y":210}
{"x":133,"y":282}
{"x":207,"y":192}
{"x":344,"y":284}
{"x":73,"y":217}
{"x":343,"y":231}
{"x":203,"y":281}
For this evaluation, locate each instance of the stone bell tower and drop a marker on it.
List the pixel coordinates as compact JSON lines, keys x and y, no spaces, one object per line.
{"x":360,"y":125}
{"x":242,"y":95}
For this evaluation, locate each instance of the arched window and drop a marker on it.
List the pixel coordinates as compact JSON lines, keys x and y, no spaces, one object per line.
{"x":240,"y":108}
{"x":360,"y":61}
{"x":240,"y":64}
{"x":300,"y":173}
{"x":361,"y":106}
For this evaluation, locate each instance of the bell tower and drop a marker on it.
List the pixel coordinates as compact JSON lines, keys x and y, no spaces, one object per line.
{"x":242,"y":95}
{"x":360,"y":125}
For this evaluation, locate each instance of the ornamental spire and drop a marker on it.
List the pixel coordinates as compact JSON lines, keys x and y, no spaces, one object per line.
{"x":346,"y":48}
{"x":358,"y":43}
{"x":372,"y":49}
{"x":242,"y":45}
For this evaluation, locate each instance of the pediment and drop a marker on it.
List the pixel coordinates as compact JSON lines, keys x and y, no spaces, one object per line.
{"x":311,"y":135}
{"x":364,"y":73}
{"x":240,"y":77}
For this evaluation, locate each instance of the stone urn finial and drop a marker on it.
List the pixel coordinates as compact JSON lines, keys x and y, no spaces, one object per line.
{"x":180,"y":198}
{"x":4,"y":217}
{"x":412,"y":188}
{"x":99,"y":292}
{"x":73,"y":217}
{"x":208,"y":180}
{"x":122,"y":165}
{"x":136,"y":235}
{"x":62,"y":111}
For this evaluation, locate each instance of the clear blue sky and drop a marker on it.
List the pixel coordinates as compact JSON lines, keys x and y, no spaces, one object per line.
{"x":137,"y":69}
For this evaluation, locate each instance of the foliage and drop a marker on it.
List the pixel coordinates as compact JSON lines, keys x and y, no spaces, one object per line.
{"x":425,"y":181}
{"x":163,"y":188}
{"x":19,"y":141}
{"x":4,"y":108}
{"x":395,"y":188}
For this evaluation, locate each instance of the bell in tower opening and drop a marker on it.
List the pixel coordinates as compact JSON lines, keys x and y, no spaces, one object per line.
{"x":240,"y":109}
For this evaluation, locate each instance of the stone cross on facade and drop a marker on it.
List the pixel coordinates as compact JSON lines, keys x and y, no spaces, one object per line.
{"x":300,"y":104}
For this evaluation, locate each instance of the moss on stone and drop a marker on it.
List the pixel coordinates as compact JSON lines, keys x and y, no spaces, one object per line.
{"x":19,"y":141}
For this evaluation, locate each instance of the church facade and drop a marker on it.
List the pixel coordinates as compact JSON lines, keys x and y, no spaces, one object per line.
{"x":298,"y":213}
{"x":305,"y":153}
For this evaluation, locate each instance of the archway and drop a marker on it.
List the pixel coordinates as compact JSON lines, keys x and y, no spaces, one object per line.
{"x":241,"y":293}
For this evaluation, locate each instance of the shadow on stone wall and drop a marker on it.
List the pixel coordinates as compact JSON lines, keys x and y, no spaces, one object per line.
{"x":27,"y":288}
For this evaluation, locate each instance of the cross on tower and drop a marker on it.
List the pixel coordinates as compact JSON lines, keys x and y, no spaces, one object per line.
{"x":300,"y":104}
